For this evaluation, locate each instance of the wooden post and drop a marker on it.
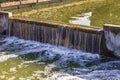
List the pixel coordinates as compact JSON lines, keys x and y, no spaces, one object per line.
{"x":61,"y":0}
{"x":0,"y":6}
{"x":37,"y":1}
{"x":20,"y":2}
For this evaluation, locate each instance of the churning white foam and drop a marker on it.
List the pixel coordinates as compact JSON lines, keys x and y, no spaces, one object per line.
{"x":75,"y":64}
{"x":63,"y":76}
{"x":112,"y":42}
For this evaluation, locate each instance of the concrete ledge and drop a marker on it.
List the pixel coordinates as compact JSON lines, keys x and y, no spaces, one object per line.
{"x":85,"y":38}
{"x":6,"y":13}
{"x":113,"y":28}
{"x":112,"y":36}
{"x":53,"y":24}
{"x":4,"y":21}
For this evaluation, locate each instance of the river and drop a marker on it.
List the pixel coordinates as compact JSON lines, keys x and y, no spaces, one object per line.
{"x":30,"y":60}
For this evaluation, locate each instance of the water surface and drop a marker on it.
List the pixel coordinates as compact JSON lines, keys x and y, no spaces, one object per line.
{"x":29,"y":60}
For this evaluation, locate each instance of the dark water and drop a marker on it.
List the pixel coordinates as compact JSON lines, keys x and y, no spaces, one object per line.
{"x":29,"y":60}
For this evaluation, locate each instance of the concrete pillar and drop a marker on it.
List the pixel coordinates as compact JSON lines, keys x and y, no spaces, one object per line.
{"x":4,"y":21}
{"x":112,"y":37}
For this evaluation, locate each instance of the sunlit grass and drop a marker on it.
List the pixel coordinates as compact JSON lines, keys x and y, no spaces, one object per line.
{"x":103,"y":11}
{"x":43,"y":6}
{"x":63,"y":15}
{"x":107,"y":13}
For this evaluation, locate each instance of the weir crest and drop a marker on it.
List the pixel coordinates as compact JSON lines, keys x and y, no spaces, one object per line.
{"x":87,"y":39}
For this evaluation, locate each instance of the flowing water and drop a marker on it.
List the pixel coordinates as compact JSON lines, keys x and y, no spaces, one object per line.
{"x":30,"y":60}
{"x":89,"y":41}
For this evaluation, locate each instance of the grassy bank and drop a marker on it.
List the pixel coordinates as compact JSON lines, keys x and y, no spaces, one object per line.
{"x":107,"y":13}
{"x":103,"y":11}
{"x":37,"y":7}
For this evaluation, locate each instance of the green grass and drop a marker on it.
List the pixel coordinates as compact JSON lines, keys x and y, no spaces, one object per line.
{"x":108,"y":13}
{"x":43,"y":6}
{"x":104,"y":11}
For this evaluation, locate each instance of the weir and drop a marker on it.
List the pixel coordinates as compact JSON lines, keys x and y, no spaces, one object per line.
{"x":57,"y":34}
{"x":4,"y":19}
{"x":112,"y":36}
{"x":87,"y":39}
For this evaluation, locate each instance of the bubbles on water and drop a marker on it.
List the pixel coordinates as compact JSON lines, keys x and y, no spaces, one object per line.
{"x":48,"y":56}
{"x":104,"y":75}
{"x":48,"y":53}
{"x":107,"y":65}
{"x":63,"y":76}
{"x":61,"y":63}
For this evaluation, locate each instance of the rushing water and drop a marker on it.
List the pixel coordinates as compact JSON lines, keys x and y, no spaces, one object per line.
{"x":29,"y":60}
{"x":112,"y":40}
{"x":89,"y":41}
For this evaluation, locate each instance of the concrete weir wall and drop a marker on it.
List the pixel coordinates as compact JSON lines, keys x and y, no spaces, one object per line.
{"x":4,"y":20}
{"x":87,"y":39}
{"x":112,"y":36}
{"x":83,"y":38}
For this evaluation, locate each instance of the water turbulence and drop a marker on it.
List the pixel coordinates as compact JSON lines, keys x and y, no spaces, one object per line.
{"x":112,"y":35}
{"x":39,"y":54}
{"x":30,"y":60}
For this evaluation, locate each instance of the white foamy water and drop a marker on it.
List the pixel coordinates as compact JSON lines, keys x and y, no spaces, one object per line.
{"x":112,"y":42}
{"x":64,"y":76}
{"x":61,"y":63}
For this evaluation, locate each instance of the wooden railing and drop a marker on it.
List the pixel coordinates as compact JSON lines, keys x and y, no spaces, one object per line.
{"x":24,"y":3}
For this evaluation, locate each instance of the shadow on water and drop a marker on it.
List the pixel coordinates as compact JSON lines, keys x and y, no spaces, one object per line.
{"x":57,"y":63}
